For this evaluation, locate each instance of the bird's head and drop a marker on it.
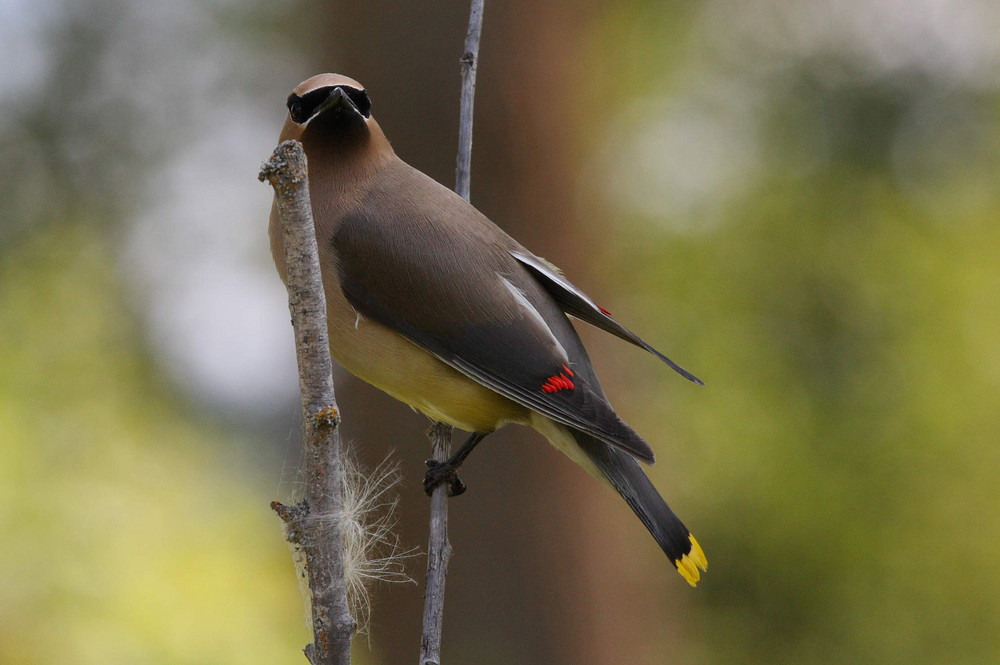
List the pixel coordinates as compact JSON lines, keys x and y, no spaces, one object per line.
{"x":331,"y":113}
{"x":332,"y":96}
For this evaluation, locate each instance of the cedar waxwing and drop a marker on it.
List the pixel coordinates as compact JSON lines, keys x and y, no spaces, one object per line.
{"x":431,"y":302}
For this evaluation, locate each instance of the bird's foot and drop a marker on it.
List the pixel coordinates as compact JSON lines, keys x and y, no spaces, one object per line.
{"x":442,"y":472}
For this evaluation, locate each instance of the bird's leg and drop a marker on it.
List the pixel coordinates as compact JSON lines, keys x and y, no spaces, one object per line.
{"x":439,"y":472}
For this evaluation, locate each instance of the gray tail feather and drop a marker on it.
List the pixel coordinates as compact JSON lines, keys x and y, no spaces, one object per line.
{"x":631,"y":482}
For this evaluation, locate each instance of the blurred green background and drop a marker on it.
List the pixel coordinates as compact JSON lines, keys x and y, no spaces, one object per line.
{"x":799,"y":201}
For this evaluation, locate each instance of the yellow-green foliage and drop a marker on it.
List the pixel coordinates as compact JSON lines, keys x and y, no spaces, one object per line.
{"x":841,"y":298}
{"x":127,"y":537}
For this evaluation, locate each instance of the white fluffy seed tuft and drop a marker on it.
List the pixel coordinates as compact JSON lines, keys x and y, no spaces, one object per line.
{"x":372,"y":551}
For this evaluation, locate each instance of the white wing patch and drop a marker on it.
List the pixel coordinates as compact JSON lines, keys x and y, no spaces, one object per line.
{"x":552,"y":273}
{"x":575,"y":302}
{"x":529,"y":310}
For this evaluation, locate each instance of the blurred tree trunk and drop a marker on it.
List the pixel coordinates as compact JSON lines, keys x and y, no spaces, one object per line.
{"x":519,"y":589}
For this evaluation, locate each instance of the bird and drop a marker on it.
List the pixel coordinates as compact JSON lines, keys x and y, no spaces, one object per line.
{"x":431,"y":302}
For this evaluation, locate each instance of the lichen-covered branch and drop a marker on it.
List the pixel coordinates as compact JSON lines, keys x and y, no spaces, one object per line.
{"x":309,"y":524}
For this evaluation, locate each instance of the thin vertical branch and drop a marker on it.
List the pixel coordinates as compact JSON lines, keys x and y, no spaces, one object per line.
{"x":438,"y":546}
{"x":438,"y":554}
{"x":470,"y":59}
{"x":307,"y":524}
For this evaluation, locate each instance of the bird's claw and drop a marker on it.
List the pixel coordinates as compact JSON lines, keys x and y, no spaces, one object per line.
{"x":441,"y":472}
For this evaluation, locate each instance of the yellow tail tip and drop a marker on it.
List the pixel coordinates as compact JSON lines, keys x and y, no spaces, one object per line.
{"x":689,"y":564}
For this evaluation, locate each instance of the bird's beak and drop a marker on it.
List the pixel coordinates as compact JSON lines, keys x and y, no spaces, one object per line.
{"x":337,"y":99}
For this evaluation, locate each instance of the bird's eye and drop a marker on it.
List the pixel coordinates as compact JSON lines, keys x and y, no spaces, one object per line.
{"x":360,"y":100}
{"x":295,"y":108}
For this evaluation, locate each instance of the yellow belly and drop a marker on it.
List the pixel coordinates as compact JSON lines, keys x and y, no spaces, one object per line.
{"x":390,"y":362}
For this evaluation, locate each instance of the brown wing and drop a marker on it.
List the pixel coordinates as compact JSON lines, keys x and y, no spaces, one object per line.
{"x":426,"y":264}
